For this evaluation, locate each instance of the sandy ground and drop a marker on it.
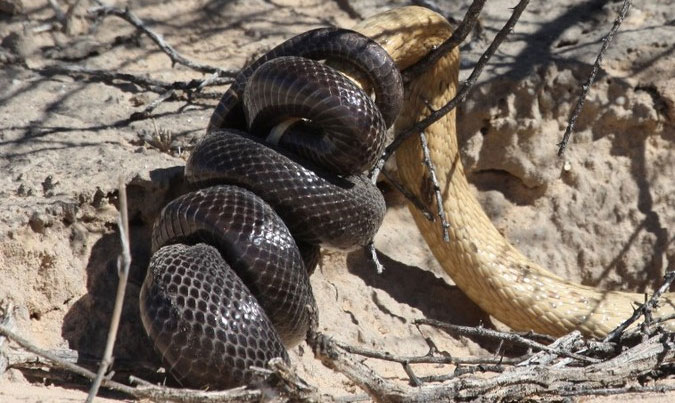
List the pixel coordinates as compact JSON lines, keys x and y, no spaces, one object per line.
{"x":604,"y":215}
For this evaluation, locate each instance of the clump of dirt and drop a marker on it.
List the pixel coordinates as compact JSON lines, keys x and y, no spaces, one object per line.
{"x":603,"y":215}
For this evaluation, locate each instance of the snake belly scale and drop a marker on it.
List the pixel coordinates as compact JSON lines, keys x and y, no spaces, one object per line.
{"x":494,"y":274}
{"x":228,"y":286}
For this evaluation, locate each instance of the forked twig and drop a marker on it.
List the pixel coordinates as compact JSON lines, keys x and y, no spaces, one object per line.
{"x":123,"y":264}
{"x":506,"y":336}
{"x":144,"y":82}
{"x":644,"y":309}
{"x":591,"y":78}
{"x":175,"y":57}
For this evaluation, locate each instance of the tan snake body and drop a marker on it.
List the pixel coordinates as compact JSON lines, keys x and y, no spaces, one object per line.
{"x":483,"y":264}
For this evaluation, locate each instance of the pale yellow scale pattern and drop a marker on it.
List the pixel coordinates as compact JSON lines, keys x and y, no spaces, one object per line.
{"x":494,"y":274}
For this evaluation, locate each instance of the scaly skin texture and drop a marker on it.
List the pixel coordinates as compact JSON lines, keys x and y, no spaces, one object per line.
{"x":483,"y":264}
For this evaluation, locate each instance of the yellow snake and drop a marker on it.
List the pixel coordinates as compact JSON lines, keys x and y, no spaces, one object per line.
{"x":484,"y":265}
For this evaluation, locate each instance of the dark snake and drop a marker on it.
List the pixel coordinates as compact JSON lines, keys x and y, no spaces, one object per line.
{"x":278,"y":174}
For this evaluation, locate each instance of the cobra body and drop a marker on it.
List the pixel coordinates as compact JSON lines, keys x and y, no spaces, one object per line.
{"x":483,"y":264}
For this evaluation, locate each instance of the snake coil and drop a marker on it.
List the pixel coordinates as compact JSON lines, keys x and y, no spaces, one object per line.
{"x":278,"y":173}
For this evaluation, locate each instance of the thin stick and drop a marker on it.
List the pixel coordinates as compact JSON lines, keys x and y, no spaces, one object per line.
{"x":373,"y":256}
{"x":436,"y":187}
{"x":611,"y":391}
{"x":464,"y":90}
{"x":458,"y":36}
{"x":60,"y":362}
{"x":144,"y":82}
{"x":123,"y":263}
{"x":591,"y":78}
{"x":460,"y":371}
{"x":145,"y":113}
{"x":175,"y":57}
{"x":409,"y":196}
{"x":422,"y":359}
{"x":511,"y":337}
{"x":644,"y":308}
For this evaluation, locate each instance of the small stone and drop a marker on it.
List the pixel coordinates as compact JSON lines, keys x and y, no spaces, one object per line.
{"x":24,"y":190}
{"x":39,"y":221}
{"x":48,"y":186}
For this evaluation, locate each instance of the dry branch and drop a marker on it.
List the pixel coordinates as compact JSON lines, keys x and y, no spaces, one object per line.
{"x":458,"y":36}
{"x":426,"y":159}
{"x":123,"y":264}
{"x":146,"y":83}
{"x":505,"y":336}
{"x":539,"y":376}
{"x":645,"y":309}
{"x":173,"y":54}
{"x":591,"y":78}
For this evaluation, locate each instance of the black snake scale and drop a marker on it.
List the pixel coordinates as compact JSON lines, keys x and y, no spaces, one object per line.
{"x":228,"y":286}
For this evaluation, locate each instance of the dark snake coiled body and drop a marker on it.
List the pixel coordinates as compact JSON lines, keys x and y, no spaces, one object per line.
{"x":228,"y":287}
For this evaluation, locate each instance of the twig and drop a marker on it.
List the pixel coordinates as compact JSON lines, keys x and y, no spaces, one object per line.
{"x":144,"y":82}
{"x":462,"y":370}
{"x":457,"y":37}
{"x":510,"y":337}
{"x":426,"y":158}
{"x":326,"y":350}
{"x":409,"y":196}
{"x":60,"y":362}
{"x":373,"y":256}
{"x":464,"y":90}
{"x":123,"y":264}
{"x":612,"y":391}
{"x":591,"y":78}
{"x":175,"y":57}
{"x":429,"y":358}
{"x":644,"y":308}
{"x":145,"y":113}
{"x":564,"y":343}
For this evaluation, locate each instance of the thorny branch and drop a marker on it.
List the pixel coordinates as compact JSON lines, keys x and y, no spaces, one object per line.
{"x":591,"y":78}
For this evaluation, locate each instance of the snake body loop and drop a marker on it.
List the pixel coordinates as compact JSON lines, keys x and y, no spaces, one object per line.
{"x":335,"y":44}
{"x":263,"y":209}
